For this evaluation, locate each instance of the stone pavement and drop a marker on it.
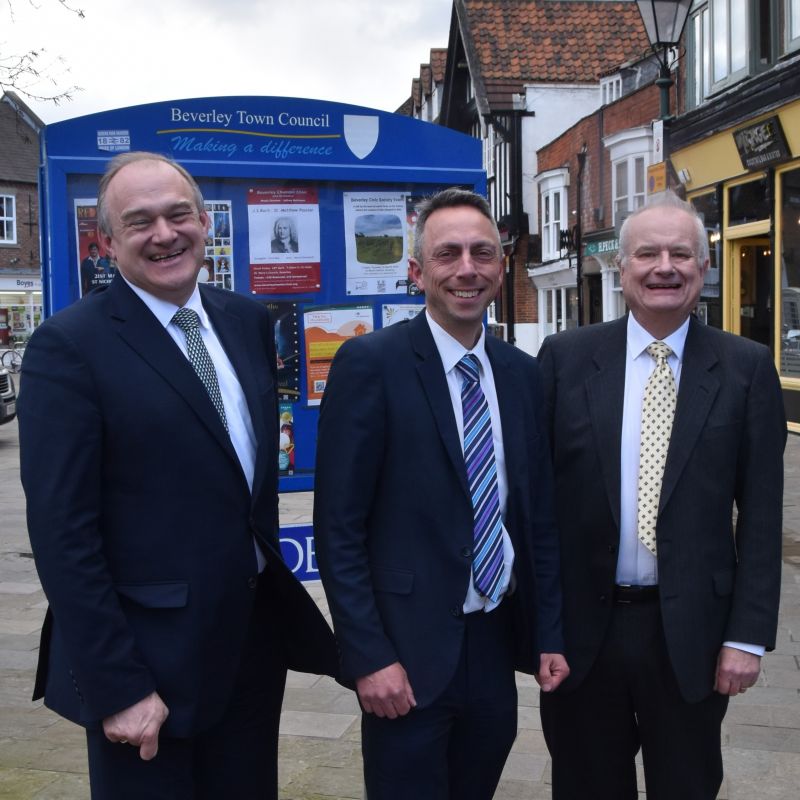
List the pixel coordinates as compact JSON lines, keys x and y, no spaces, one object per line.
{"x":43,"y":757}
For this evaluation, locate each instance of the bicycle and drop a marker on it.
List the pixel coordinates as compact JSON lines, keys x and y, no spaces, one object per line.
{"x":12,"y":360}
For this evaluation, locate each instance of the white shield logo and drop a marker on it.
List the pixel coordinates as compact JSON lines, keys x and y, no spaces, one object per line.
{"x":361,"y":134}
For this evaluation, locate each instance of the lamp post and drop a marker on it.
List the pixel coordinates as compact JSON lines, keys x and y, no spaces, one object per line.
{"x":579,"y":232}
{"x":664,"y":21}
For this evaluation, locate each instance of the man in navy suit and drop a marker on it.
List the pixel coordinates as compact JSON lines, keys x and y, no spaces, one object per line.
{"x":660,"y":632}
{"x":431,"y":650}
{"x":152,"y":512}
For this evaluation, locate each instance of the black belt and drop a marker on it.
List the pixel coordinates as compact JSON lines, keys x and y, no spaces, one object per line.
{"x":635,"y":594}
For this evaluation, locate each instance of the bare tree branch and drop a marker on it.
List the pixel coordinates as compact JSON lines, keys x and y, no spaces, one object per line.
{"x":25,"y":72}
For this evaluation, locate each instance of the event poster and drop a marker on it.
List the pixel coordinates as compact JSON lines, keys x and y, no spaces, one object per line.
{"x":284,"y":240}
{"x":375,"y":231}
{"x":397,"y":312}
{"x":286,"y":439}
{"x":287,"y":347}
{"x":95,"y":266}
{"x":326,"y":329}
{"x":217,"y":266}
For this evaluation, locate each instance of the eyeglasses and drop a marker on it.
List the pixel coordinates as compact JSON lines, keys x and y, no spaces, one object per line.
{"x":650,"y":256}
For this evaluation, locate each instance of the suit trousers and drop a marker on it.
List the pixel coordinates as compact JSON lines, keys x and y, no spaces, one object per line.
{"x":455,"y":748}
{"x":237,"y":758}
{"x":630,"y":699}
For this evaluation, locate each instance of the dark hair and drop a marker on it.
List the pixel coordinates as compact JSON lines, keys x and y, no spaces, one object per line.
{"x":122,"y":160}
{"x":448,"y":198}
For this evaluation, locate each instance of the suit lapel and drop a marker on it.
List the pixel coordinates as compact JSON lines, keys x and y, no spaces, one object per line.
{"x":434,"y":384}
{"x":605,"y":394}
{"x":240,"y":352}
{"x":696,"y":394}
{"x":145,"y":335}
{"x":509,"y":401}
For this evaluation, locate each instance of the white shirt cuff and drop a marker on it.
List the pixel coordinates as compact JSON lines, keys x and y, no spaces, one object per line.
{"x":755,"y":649}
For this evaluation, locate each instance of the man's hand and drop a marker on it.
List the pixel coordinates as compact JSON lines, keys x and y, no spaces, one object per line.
{"x":387,"y":692}
{"x":138,"y":725}
{"x":737,"y":671}
{"x":553,"y":669}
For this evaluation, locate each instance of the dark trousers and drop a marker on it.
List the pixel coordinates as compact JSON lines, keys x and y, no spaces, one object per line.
{"x":237,"y":758}
{"x":455,"y":748}
{"x":630,"y":699}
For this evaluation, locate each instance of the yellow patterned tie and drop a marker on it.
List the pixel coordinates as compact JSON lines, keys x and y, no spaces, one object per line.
{"x":658,"y":411}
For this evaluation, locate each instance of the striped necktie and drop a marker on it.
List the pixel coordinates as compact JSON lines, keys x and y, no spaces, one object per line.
{"x":487,"y":559}
{"x":188,"y":321}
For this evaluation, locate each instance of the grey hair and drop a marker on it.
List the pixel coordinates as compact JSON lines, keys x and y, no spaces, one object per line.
{"x":667,"y":199}
{"x":122,"y":160}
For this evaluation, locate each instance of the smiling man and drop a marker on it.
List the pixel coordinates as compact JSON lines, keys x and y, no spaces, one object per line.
{"x":172,"y":618}
{"x":433,"y":523}
{"x":659,"y":427}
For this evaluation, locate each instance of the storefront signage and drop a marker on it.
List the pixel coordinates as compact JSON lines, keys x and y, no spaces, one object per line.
{"x":761,"y":144}
{"x":657,"y":178}
{"x":21,"y":284}
{"x":603,"y":246}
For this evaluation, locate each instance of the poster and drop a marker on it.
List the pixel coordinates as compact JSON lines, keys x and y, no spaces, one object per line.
{"x":287,"y":347}
{"x":375,"y":233}
{"x":217,"y":266}
{"x":397,"y":312}
{"x":326,"y":329}
{"x":95,"y":266}
{"x":285,"y":439}
{"x":284,"y":240}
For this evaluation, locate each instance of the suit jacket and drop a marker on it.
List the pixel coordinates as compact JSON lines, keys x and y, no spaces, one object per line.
{"x":393,"y":516}
{"x":718,"y":581}
{"x":140,"y":516}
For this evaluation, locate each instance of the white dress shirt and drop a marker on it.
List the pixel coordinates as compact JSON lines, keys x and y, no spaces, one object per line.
{"x":237,"y":413}
{"x":636,"y":565}
{"x":451,"y":352}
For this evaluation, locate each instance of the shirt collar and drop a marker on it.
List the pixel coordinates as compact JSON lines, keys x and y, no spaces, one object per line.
{"x":451,"y":351}
{"x":639,"y":338}
{"x":164,"y":311}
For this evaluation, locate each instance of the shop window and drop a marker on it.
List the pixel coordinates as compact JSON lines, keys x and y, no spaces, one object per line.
{"x":710,"y":304}
{"x":748,"y":202}
{"x":790,"y":274}
{"x":8,"y":219}
{"x":560,"y":309}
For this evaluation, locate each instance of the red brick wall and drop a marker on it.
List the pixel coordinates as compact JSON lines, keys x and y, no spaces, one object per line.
{"x":27,"y":247}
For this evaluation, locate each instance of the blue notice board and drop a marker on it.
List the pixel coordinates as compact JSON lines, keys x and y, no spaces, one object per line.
{"x":311,"y":207}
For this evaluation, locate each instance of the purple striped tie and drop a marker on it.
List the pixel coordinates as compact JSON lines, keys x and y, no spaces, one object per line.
{"x":487,"y":558}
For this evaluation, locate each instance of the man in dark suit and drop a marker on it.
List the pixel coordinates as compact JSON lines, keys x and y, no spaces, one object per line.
{"x":668,"y":606}
{"x":149,"y":460}
{"x":409,"y":470}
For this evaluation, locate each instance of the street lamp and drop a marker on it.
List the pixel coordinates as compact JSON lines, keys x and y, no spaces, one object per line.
{"x":664,"y":21}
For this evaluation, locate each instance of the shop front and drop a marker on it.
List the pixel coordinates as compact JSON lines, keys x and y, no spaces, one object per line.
{"x":20,"y":307}
{"x":745,"y":181}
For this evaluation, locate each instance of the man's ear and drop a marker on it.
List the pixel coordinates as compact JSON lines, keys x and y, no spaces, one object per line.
{"x":415,"y":273}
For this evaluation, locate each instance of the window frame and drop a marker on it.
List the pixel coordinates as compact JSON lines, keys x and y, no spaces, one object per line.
{"x":6,"y":219}
{"x":553,"y":183}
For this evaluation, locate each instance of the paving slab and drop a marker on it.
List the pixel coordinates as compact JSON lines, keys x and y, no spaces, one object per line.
{"x":43,"y":757}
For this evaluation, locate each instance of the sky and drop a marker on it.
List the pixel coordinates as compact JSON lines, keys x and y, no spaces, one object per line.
{"x":129,"y":52}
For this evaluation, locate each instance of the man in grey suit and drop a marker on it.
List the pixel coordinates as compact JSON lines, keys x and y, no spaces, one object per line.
{"x":668,"y":605}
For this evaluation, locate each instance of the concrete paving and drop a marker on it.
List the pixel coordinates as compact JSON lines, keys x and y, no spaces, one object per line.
{"x":43,"y":757}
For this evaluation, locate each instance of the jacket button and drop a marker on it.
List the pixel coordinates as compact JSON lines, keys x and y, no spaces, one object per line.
{"x":602,"y":598}
{"x":612,"y":548}
{"x":466,"y":552}
{"x":456,"y":611}
{"x":252,"y":582}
